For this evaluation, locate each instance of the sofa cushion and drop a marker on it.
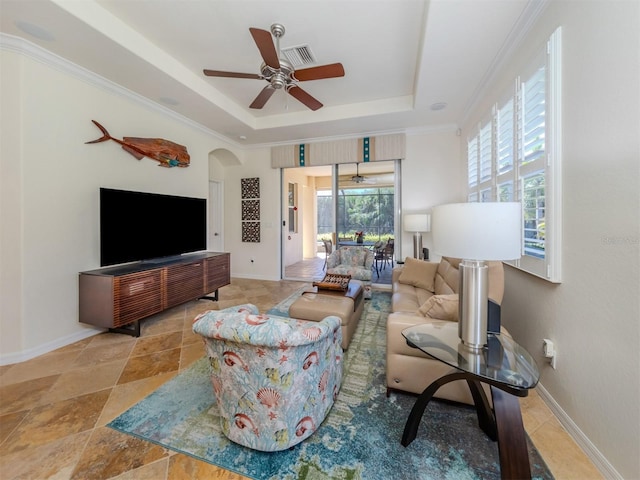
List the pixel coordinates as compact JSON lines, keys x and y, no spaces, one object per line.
{"x":418,"y":273}
{"x":442,"y":307}
{"x":422,"y":296}
{"x":447,"y":277}
{"x":404,"y":298}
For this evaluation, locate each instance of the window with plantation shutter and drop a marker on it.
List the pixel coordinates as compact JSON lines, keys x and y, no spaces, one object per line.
{"x":472,"y":156}
{"x":533,"y":214}
{"x":533,"y":117}
{"x":505,"y":191}
{"x":516,"y":156}
{"x":485,"y":153}
{"x":504,"y":137}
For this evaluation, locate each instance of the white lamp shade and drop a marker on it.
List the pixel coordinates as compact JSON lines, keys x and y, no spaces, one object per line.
{"x":417,"y":222}
{"x":478,"y":231}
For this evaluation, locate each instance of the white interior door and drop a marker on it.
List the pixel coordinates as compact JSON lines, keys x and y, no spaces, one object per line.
{"x":216,"y":217}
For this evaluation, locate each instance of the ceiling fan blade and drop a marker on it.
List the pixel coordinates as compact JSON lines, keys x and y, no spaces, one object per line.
{"x":219,"y":73}
{"x":262,"y":97}
{"x":305,"y":98}
{"x":323,"y":71}
{"x":265,"y":45}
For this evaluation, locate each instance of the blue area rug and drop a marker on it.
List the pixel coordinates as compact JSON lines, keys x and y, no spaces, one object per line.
{"x":359,"y":439}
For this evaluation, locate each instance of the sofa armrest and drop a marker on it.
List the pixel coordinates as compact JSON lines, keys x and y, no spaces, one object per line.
{"x":395,"y":273}
{"x":396,"y":323}
{"x":368,"y":259}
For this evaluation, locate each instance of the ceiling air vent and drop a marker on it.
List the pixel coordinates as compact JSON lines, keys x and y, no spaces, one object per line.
{"x":299,"y":56}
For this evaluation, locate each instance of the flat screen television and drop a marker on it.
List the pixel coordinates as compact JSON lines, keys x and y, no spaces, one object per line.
{"x":138,"y":226}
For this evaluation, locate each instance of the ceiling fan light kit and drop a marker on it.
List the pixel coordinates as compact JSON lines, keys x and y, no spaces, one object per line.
{"x":279,"y":72}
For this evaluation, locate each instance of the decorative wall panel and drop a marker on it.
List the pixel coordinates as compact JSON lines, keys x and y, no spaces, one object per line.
{"x":250,"y":210}
{"x":250,"y":187}
{"x":250,"y":217}
{"x":251,"y":232}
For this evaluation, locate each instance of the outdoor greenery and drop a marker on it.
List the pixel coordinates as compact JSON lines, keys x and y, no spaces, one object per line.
{"x":533,"y":208}
{"x":368,"y":210}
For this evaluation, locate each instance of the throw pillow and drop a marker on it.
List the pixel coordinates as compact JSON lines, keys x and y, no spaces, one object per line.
{"x":442,"y":307}
{"x":418,"y":273}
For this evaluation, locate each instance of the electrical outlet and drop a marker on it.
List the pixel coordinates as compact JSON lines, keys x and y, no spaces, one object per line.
{"x":549,"y":349}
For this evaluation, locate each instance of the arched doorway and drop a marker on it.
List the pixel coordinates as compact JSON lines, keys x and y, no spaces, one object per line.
{"x":219,"y":159}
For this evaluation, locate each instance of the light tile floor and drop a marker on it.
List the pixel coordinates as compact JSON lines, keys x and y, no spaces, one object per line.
{"x":54,"y":408}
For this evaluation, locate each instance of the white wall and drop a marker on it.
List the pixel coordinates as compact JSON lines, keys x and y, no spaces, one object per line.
{"x":593,"y":315}
{"x":430,"y":176}
{"x":266,"y":254}
{"x":309,"y":220}
{"x":11,"y":249}
{"x":49,"y":192}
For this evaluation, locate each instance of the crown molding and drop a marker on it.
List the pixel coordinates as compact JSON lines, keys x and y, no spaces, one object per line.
{"x":24,"y":47}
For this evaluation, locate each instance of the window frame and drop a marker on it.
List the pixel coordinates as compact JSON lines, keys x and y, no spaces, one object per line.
{"x":292,"y":195}
{"x":549,"y":58}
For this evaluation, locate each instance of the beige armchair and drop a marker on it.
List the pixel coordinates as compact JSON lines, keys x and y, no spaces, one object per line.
{"x":424,"y":292}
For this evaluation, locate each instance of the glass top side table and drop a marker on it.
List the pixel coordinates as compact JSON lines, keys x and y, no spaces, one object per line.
{"x":503,"y":364}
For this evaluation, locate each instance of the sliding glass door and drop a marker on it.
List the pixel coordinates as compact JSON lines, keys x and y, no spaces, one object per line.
{"x":333,"y":203}
{"x":365,"y":201}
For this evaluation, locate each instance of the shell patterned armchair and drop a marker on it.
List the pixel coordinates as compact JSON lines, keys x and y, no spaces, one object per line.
{"x":274,"y":378}
{"x":354,"y":261}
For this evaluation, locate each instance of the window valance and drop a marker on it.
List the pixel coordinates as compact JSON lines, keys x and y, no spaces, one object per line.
{"x":354,"y":150}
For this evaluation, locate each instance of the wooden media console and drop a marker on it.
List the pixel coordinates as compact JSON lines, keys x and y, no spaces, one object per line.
{"x":118,"y":297}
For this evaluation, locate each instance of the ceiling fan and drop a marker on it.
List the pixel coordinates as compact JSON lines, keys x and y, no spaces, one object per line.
{"x":279,"y":73}
{"x":380,"y":179}
{"x":357,"y":178}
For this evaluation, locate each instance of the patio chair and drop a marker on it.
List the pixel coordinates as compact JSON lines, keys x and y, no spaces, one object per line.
{"x":378,"y":255}
{"x":328,"y":248}
{"x":387,"y":253}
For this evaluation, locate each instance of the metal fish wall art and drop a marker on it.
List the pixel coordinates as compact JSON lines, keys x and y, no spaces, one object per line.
{"x":167,"y":153}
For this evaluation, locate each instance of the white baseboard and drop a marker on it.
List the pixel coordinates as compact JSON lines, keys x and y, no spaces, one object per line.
{"x":599,"y":460}
{"x":24,"y":355}
{"x":254,"y":277}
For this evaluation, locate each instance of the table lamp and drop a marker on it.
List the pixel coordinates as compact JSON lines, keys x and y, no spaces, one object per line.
{"x":417,"y":223}
{"x":475,"y":233}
